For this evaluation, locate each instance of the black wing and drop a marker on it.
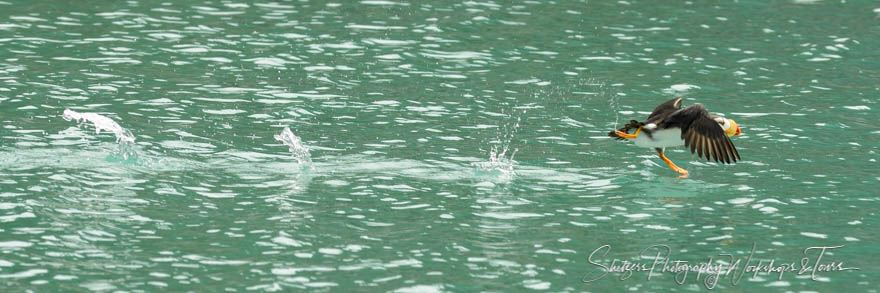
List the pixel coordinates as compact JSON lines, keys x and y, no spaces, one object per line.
{"x":659,"y":113}
{"x":666,"y":108}
{"x":702,"y":134}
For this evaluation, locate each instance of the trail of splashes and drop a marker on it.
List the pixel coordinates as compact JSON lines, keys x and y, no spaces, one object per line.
{"x":498,"y":160}
{"x":101,"y":123}
{"x":299,"y":150}
{"x":125,"y":147}
{"x":603,"y":91}
{"x":613,"y":98}
{"x":615,"y":107}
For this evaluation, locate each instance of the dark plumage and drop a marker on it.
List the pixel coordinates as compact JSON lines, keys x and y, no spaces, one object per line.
{"x":669,"y":125}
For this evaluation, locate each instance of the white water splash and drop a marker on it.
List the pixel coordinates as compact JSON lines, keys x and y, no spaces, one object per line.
{"x":101,"y":123}
{"x":299,"y":150}
{"x":498,"y":155}
{"x":498,"y":161}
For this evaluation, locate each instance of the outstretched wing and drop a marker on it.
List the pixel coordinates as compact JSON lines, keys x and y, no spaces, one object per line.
{"x":666,"y":108}
{"x":703,"y":135}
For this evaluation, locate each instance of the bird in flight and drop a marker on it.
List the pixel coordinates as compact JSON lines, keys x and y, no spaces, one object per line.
{"x":669,"y":126}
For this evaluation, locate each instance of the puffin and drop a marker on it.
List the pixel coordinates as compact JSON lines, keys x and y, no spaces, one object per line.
{"x":669,"y":125}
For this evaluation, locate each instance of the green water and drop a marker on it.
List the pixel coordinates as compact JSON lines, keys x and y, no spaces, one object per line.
{"x":452,"y":145}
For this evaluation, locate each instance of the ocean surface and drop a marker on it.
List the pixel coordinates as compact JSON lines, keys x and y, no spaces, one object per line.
{"x":433,"y":146}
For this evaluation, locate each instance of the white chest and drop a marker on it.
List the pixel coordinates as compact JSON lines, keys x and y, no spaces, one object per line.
{"x":660,"y":139}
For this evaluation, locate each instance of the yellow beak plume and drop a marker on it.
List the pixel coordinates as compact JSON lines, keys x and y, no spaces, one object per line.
{"x":734,"y":129}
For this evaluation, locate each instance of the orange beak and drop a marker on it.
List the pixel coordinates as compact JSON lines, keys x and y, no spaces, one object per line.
{"x":734,"y":129}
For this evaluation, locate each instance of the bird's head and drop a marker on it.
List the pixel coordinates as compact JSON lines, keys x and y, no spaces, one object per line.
{"x":730,"y":127}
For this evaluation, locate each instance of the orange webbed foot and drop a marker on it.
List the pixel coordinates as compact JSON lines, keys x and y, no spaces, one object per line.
{"x":683,"y":172}
{"x":627,"y":135}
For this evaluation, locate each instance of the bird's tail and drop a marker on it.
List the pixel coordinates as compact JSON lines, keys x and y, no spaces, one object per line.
{"x":625,"y":129}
